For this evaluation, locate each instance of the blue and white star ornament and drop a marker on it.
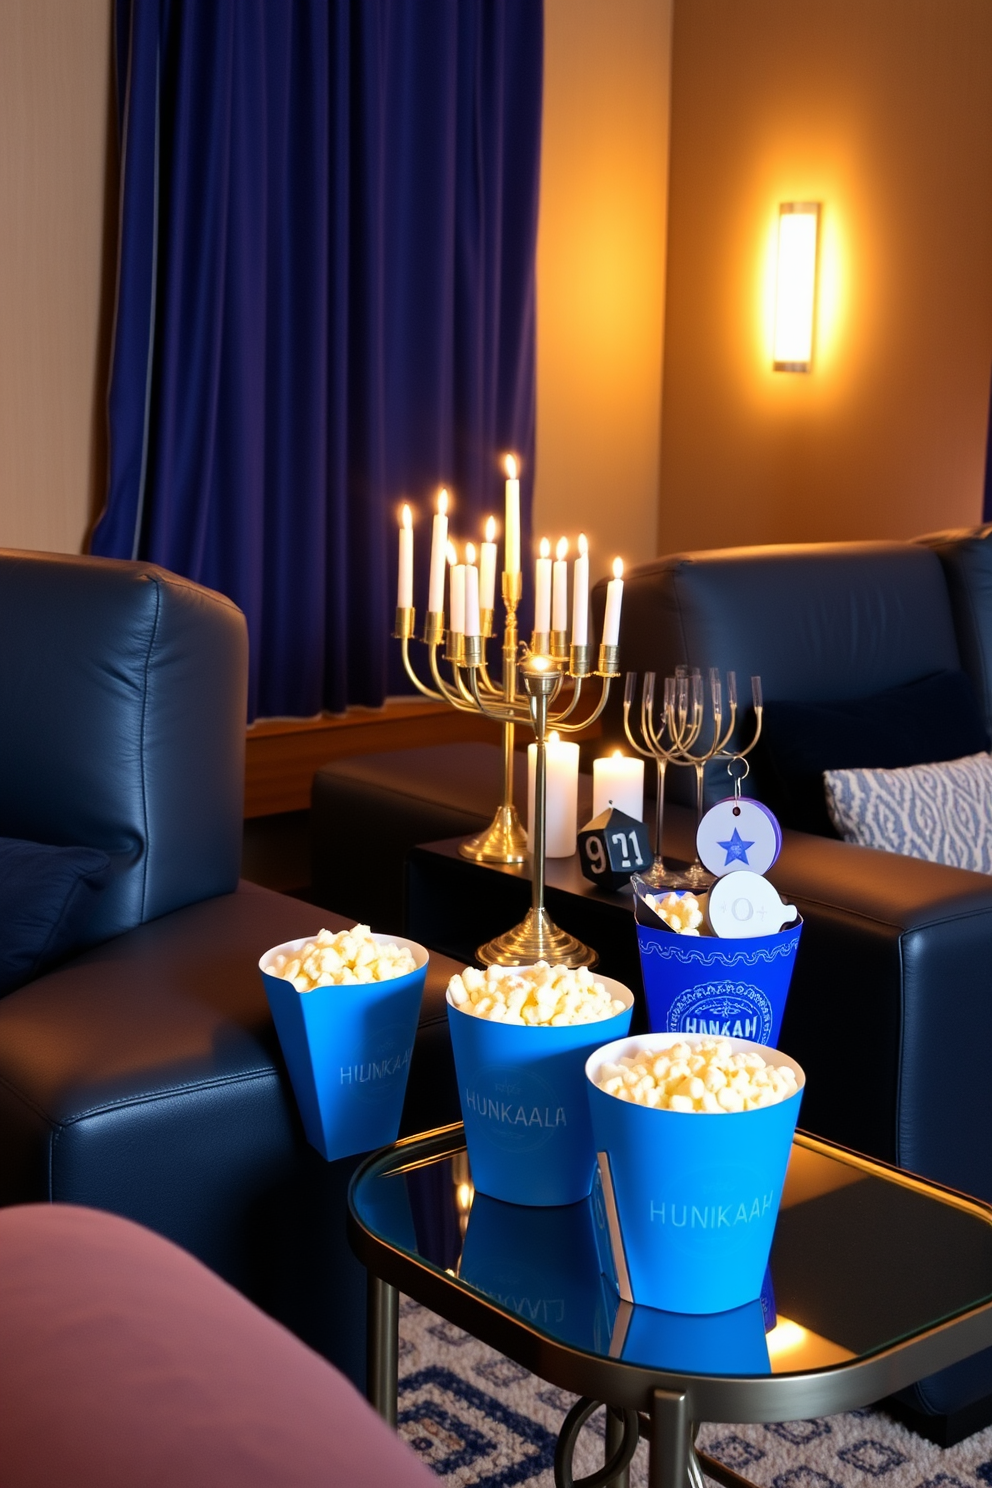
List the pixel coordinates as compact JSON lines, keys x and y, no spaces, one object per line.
{"x":743,"y":906}
{"x":738,"y":835}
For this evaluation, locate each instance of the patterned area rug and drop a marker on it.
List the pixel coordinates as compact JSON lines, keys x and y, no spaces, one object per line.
{"x":477,"y":1418}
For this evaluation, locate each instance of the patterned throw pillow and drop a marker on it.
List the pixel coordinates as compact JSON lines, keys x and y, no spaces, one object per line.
{"x":939,"y":812}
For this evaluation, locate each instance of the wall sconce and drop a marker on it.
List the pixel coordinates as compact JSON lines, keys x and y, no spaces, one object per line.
{"x":795,"y":285}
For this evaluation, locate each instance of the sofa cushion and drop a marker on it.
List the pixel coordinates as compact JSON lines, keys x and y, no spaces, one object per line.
{"x":936,"y":718}
{"x":125,"y":1361}
{"x":47,"y":896}
{"x":941,"y":812}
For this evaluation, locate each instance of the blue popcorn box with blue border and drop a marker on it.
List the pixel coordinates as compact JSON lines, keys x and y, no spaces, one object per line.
{"x":731,"y":988}
{"x":348,"y":1049}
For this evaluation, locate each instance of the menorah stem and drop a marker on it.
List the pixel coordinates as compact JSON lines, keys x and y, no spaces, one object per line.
{"x":539,"y":711}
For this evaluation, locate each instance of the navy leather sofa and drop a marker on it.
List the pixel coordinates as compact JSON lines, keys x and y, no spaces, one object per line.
{"x":142,"y":1075}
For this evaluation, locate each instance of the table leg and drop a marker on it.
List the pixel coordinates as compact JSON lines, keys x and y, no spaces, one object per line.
{"x":615,"y":1431}
{"x":383,"y":1343}
{"x":671,"y":1455}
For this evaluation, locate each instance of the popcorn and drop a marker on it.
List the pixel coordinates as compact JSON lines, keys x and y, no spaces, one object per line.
{"x":680,"y":913}
{"x":539,"y":996}
{"x":343,"y":959}
{"x":706,"y":1075}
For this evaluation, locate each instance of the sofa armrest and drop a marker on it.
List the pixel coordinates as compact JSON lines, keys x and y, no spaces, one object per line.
{"x":894,"y":967}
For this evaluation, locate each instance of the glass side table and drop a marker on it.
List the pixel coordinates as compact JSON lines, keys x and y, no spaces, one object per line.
{"x":876,"y":1279}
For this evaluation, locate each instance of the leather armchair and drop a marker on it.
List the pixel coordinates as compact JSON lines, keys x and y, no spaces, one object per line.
{"x":143,"y":1075}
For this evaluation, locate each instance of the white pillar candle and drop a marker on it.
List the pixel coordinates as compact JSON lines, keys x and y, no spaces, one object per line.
{"x":618,"y":780}
{"x":561,"y":797}
{"x":487,"y":568}
{"x":614,"y":599}
{"x":439,"y":553}
{"x":559,"y":587}
{"x":511,"y":555}
{"x":457,"y":619}
{"x":473,"y":624}
{"x":404,"y":581}
{"x":580,"y":595}
{"x":542,"y":588}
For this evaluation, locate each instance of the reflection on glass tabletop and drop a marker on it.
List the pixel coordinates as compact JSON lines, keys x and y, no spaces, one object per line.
{"x":863,"y":1257}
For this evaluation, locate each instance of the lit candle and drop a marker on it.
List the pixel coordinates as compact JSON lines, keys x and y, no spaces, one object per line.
{"x":561,"y":797}
{"x":511,"y":554}
{"x":618,"y":781}
{"x":404,"y":582}
{"x":559,"y":588}
{"x":457,"y":623}
{"x":614,"y":599}
{"x":487,"y":568}
{"x":542,"y":588}
{"x":473,"y":625}
{"x":580,"y":595}
{"x":439,"y":548}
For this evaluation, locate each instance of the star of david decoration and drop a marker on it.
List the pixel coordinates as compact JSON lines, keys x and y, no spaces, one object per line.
{"x":736,"y":848}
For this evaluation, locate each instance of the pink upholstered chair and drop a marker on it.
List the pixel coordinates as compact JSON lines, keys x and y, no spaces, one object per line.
{"x":123,"y":1360}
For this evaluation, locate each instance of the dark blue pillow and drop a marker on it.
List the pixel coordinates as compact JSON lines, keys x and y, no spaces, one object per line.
{"x":921,"y":723}
{"x":47,"y":895}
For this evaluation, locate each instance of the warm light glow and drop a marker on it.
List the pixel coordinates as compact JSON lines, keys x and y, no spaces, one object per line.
{"x":442,"y":503}
{"x":561,"y":551}
{"x":795,"y":286}
{"x":470,"y":552}
{"x":785,"y":1337}
{"x":406,"y":518}
{"x":511,"y":467}
{"x":545,"y":549}
{"x":554,"y":737}
{"x":490,"y":529}
{"x":452,"y":555}
{"x":618,"y":568}
{"x":583,"y":545}
{"x":618,"y":754}
{"x":464,"y":1194}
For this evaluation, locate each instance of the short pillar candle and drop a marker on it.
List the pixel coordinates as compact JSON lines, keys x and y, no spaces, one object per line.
{"x":618,"y":780}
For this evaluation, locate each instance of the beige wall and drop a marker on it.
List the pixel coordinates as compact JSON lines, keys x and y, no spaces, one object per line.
{"x":54,"y":295}
{"x":883,"y":112}
{"x":600,"y":273}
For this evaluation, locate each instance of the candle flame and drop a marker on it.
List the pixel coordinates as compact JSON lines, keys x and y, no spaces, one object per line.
{"x":406,"y":518}
{"x":490,"y":529}
{"x":545,"y":548}
{"x":511,"y":467}
{"x":470,"y":552}
{"x":583,"y":545}
{"x":452,"y":555}
{"x":618,"y":568}
{"x":562,"y":549}
{"x":554,"y":737}
{"x":442,"y":503}
{"x":618,"y":754}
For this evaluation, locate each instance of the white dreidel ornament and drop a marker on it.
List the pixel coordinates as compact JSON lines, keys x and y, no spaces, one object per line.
{"x":739,"y":839}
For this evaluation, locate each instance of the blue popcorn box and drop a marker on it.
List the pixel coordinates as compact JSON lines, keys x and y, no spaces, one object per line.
{"x":706,"y":984}
{"x":524,"y":1104}
{"x":348,"y":1049}
{"x":691,"y":1199}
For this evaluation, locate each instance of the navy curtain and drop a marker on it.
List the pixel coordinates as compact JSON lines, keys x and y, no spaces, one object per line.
{"x":325,"y":306}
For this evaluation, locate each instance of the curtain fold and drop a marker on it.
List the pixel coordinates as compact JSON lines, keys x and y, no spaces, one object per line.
{"x":325,"y":307}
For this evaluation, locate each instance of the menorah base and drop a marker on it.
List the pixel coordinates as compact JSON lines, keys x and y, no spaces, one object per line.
{"x":503,"y":841}
{"x":536,"y":938}
{"x":695,"y":878}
